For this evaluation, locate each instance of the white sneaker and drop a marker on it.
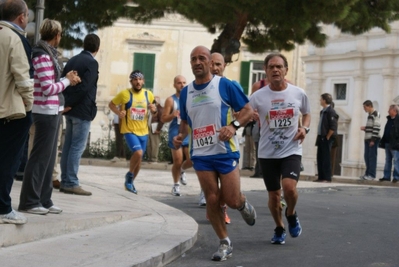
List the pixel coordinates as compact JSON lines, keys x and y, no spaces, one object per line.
{"x":37,"y":210}
{"x":176,"y":190}
{"x":54,"y":210}
{"x":13,"y":217}
{"x":183,"y":179}
{"x":369,"y":178}
{"x":202,"y":200}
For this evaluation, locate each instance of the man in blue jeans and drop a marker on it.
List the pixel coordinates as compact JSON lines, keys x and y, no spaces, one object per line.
{"x":16,"y":100}
{"x":371,"y":140}
{"x":390,"y":143}
{"x":80,"y":110}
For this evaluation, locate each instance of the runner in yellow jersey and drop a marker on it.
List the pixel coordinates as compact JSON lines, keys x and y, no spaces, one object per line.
{"x":136,"y":103}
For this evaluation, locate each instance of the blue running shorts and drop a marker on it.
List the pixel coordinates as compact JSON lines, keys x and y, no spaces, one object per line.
{"x":223,"y":166}
{"x":135,"y":142}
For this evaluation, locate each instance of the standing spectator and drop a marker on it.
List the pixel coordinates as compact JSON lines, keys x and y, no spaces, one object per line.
{"x":371,"y":140}
{"x":171,"y":113}
{"x":135,"y":103}
{"x":80,"y":110}
{"x":249,"y":157}
{"x":16,"y":100}
{"x":206,"y":107}
{"x":154,"y":133}
{"x":279,"y":106}
{"x":48,"y":103}
{"x":326,"y":134}
{"x":390,"y":142}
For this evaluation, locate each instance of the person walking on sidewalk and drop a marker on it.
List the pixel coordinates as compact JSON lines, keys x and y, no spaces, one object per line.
{"x":171,"y":113}
{"x":206,"y":106}
{"x":80,"y":111}
{"x":136,"y":103}
{"x":16,"y":100}
{"x":37,"y":185}
{"x":371,"y":140}
{"x":279,"y":106}
{"x":390,"y":142}
{"x":326,"y":133}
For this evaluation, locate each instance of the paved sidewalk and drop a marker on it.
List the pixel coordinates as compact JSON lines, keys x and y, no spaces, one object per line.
{"x":114,"y":227}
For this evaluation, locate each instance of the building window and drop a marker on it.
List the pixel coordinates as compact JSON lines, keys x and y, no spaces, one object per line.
{"x":340,"y":91}
{"x":146,"y":64}
{"x":251,"y":72}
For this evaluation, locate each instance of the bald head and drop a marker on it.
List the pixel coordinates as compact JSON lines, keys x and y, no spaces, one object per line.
{"x":200,"y":60}
{"x":179,"y":82}
{"x":218,"y":64}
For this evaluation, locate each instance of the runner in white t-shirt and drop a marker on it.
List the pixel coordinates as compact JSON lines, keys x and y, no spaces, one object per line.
{"x":279,"y":106}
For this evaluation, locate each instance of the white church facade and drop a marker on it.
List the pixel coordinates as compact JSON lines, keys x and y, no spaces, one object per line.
{"x":352,"y":69}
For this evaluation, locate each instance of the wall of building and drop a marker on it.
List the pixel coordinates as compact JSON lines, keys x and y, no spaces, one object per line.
{"x":171,"y":39}
{"x":369,"y":66}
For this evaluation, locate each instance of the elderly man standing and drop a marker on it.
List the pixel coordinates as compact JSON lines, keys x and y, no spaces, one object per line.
{"x":16,"y":100}
{"x":390,"y":141}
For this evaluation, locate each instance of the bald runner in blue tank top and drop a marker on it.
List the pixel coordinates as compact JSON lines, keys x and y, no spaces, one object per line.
{"x":207,"y":108}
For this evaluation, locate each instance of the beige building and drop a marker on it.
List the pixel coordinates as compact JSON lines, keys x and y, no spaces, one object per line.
{"x":352,"y":69}
{"x":161,"y":50}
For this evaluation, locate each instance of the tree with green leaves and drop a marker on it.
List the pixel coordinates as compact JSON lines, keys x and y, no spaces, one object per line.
{"x":261,"y":24}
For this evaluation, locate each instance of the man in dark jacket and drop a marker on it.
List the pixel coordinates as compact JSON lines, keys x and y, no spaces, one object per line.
{"x":326,"y":133}
{"x":80,"y":110}
{"x":390,"y":141}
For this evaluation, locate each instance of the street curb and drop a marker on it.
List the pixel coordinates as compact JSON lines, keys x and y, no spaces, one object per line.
{"x":165,"y":166}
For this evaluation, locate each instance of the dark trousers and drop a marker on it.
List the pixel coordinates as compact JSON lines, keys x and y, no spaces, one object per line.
{"x":13,"y":135}
{"x":23,"y":160}
{"x":258,"y":170}
{"x":324,"y":158}
{"x":37,"y":186}
{"x":119,"y":145}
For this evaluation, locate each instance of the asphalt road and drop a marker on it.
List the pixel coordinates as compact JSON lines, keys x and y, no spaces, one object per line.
{"x":342,"y":226}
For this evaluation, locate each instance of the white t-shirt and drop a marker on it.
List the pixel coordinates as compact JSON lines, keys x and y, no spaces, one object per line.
{"x":279,"y":112}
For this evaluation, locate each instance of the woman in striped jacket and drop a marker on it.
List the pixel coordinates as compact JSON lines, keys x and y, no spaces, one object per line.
{"x":47,"y":107}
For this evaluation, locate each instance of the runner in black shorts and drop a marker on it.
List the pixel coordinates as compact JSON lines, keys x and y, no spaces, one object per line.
{"x":279,"y":106}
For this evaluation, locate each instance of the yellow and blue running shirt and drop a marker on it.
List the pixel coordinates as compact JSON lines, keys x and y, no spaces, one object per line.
{"x":136,"y":106}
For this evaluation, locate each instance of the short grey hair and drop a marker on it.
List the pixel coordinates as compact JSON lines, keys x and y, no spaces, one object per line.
{"x":394,"y":107}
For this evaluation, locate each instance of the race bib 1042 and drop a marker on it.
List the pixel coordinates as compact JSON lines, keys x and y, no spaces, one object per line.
{"x":204,"y":136}
{"x":281,"y":118}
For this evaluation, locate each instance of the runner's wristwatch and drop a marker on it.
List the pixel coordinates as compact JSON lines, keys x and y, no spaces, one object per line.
{"x":236,"y":124}
{"x":307,"y":129}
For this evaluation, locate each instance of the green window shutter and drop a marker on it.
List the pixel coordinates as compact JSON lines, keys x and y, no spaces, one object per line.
{"x":146,"y":64}
{"x":244,"y":76}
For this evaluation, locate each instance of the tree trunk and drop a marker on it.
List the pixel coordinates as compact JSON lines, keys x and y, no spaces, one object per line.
{"x":228,"y":42}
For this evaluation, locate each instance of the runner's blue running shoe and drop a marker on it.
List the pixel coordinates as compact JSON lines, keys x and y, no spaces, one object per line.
{"x":294,"y":226}
{"x":129,"y":186}
{"x":279,"y":236}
